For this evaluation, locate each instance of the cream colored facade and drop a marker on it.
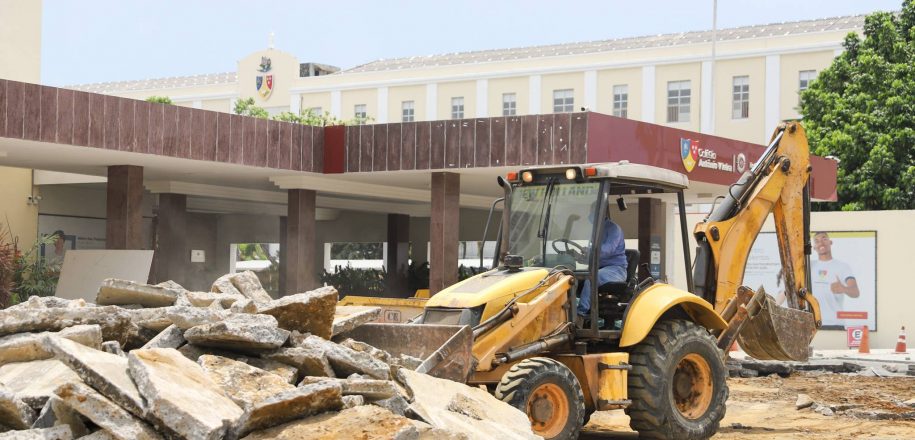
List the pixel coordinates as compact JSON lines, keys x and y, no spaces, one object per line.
{"x":20,"y":60}
{"x":771,"y":58}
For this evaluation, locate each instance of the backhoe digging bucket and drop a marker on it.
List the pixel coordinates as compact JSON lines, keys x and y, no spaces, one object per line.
{"x":444,"y":349}
{"x":777,"y":333}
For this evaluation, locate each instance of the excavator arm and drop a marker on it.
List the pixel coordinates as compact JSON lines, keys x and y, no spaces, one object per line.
{"x":778,"y":184}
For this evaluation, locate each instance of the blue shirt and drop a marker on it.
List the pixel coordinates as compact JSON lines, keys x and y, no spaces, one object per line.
{"x":612,"y":246}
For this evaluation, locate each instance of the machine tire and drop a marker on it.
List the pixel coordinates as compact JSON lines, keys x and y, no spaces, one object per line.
{"x":549,"y":393}
{"x":677,"y":383}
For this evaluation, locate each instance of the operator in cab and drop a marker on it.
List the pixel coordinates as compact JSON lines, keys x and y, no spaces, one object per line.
{"x":611,"y":262}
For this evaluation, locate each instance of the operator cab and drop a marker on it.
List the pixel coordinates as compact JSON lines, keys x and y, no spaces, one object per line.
{"x":554,"y":219}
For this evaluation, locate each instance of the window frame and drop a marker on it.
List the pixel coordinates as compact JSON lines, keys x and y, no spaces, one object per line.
{"x":404,"y":108}
{"x":563,"y":100}
{"x":679,"y":104}
{"x":510,"y":107}
{"x":457,"y":107}
{"x":620,"y":100}
{"x":740,"y":97}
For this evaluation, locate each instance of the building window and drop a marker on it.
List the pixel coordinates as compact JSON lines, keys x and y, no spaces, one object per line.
{"x":621,"y":101}
{"x":678,"y":100}
{"x":740,"y":100}
{"x":804,"y":79}
{"x":407,"y":111}
{"x":360,"y":113}
{"x":563,"y":101}
{"x":457,"y":108}
{"x":509,"y":104}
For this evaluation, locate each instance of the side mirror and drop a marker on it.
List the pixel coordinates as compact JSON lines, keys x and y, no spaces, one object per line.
{"x":621,"y":203}
{"x":502,"y":181}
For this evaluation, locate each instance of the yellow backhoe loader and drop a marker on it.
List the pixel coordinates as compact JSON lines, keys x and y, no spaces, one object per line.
{"x":653,"y":349}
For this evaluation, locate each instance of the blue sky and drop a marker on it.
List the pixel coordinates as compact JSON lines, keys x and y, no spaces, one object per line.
{"x":94,"y":40}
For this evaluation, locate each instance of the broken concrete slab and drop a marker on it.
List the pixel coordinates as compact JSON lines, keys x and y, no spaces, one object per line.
{"x":290,"y":405}
{"x":15,"y":413}
{"x":360,"y":346}
{"x":62,"y":432}
{"x":206,"y":299}
{"x":180,"y":395}
{"x":114,"y":292}
{"x":287,"y":372}
{"x":224,"y":284}
{"x":244,"y":384}
{"x":396,"y":404}
{"x":310,"y":312}
{"x":104,"y":413}
{"x":113,"y":347}
{"x":171,"y":337}
{"x":155,"y":319}
{"x":116,"y":323}
{"x":435,"y":403}
{"x":250,"y":286}
{"x":308,"y":362}
{"x":362,"y":422}
{"x":105,"y":372}
{"x":347,"y":318}
{"x":57,"y":413}
{"x":351,"y":401}
{"x":101,"y":434}
{"x":371,"y":389}
{"x":35,"y":381}
{"x":243,"y":306}
{"x":24,"y":347}
{"x":44,"y":302}
{"x":187,"y":317}
{"x":243,"y":333}
{"x":346,"y":361}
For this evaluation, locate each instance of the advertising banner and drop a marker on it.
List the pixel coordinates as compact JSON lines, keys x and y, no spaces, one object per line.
{"x":843,"y":271}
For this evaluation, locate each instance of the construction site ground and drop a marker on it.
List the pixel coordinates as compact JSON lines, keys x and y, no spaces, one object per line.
{"x":763,"y":408}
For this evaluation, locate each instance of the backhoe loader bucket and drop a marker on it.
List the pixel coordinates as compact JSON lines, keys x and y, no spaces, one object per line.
{"x":777,"y":333}
{"x":444,"y":349}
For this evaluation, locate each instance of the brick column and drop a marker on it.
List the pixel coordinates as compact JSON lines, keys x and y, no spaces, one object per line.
{"x":124,"y":207}
{"x":398,"y":253}
{"x":443,"y":231}
{"x":301,"y":271}
{"x":172,"y":256}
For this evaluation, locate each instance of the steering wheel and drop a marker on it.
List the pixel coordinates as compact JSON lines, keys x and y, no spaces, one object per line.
{"x":576,"y":250}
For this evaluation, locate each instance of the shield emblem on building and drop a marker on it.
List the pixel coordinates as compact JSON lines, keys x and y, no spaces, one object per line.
{"x":264,"y":85}
{"x":689,"y":152}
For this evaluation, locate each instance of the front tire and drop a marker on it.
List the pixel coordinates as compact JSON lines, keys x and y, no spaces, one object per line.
{"x":549,"y":393}
{"x":677,"y":384}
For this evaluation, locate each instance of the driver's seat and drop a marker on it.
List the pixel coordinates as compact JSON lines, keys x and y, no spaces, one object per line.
{"x":627,"y":288}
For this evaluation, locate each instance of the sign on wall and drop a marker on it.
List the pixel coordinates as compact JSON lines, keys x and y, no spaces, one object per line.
{"x":843,"y":272}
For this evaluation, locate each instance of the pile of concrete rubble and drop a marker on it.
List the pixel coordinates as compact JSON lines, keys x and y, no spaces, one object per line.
{"x":158,"y":361}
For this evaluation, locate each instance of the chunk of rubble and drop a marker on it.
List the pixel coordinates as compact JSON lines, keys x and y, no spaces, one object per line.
{"x":250,"y":286}
{"x":245,"y":333}
{"x":396,"y":404}
{"x":56,"y":413}
{"x":35,"y":381}
{"x":44,"y":302}
{"x":310,"y":312}
{"x":435,"y":402}
{"x":351,"y":401}
{"x":803,"y":401}
{"x":155,"y":319}
{"x":171,"y":337}
{"x":15,"y":413}
{"x":26,"y":347}
{"x":171,"y":284}
{"x":105,"y":413}
{"x":180,"y":395}
{"x":308,"y":362}
{"x":187,"y":317}
{"x":244,"y":384}
{"x":404,"y":360}
{"x":105,"y":372}
{"x":205,"y":299}
{"x":224,"y":284}
{"x":113,"y":347}
{"x":243,"y":306}
{"x":362,"y":422}
{"x":371,"y":389}
{"x":347,"y":318}
{"x":287,"y":372}
{"x":116,"y":292}
{"x":116,"y":323}
{"x":290,"y":405}
{"x":62,"y":432}
{"x":346,"y":361}
{"x":101,"y":434}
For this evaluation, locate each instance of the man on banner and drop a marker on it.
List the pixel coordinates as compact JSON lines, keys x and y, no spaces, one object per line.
{"x":832,"y":280}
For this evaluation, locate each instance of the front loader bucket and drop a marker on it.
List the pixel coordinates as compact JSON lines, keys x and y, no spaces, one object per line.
{"x":444,"y":349}
{"x":777,"y":333}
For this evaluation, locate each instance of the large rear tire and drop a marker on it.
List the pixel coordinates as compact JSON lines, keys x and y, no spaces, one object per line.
{"x":549,"y":393}
{"x":677,"y":384}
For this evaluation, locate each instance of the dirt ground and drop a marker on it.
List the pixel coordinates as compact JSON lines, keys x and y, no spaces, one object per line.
{"x":764,"y":409}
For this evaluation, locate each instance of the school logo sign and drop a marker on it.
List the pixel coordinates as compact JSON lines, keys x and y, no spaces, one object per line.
{"x":689,"y":152}
{"x":265,"y":81}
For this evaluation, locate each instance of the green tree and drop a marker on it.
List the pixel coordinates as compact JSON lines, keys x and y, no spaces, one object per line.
{"x":246,"y":107}
{"x":861,"y":109}
{"x":160,"y":100}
